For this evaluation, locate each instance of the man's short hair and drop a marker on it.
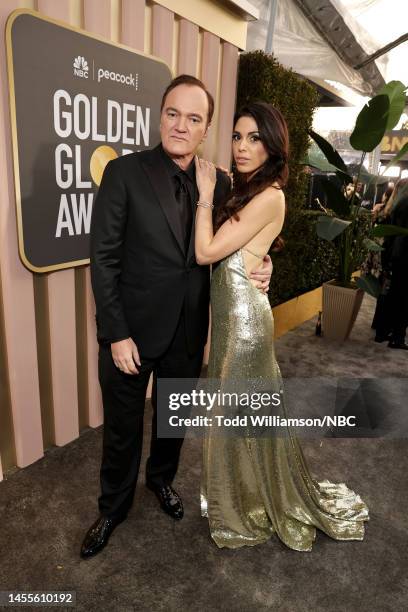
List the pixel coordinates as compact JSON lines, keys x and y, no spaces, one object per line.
{"x":188,"y":79}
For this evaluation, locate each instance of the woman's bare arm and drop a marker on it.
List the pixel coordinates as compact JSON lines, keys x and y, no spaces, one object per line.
{"x":267,"y":208}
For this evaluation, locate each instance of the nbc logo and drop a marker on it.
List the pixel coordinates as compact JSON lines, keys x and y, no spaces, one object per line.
{"x":81,"y":67}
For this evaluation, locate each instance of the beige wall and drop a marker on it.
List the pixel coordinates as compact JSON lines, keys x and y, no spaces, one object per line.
{"x":48,"y":352}
{"x":213,"y":17}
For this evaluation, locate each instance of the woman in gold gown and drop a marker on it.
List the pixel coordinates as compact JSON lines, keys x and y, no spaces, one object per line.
{"x":255,"y":486}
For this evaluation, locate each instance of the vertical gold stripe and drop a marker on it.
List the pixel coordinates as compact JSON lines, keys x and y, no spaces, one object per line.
{"x":116,"y":18}
{"x":7,"y":442}
{"x":42,"y":324}
{"x":81,"y":343}
{"x":176,"y":44}
{"x":200,"y":41}
{"x":148,"y":37}
{"x":76,"y":13}
{"x":187,"y":48}
{"x":133,"y":24}
{"x":162,"y":34}
{"x":210,"y":76}
{"x":228,"y":84}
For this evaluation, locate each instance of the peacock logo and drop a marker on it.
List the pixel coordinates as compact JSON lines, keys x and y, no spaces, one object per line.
{"x":81,"y":68}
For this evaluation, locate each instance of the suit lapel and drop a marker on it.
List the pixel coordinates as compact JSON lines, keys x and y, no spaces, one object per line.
{"x":164,"y":192}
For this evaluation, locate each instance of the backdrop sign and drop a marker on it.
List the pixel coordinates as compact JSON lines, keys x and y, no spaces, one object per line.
{"x":393,"y":142}
{"x":77,"y":101}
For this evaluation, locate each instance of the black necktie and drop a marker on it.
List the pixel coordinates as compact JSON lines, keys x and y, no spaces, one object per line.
{"x":184,"y":205}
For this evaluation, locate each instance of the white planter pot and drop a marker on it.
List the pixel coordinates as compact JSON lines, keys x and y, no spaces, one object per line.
{"x":340,"y":309}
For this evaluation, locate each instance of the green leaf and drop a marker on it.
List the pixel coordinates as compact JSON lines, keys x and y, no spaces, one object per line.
{"x":395,"y":90}
{"x":371,"y":245}
{"x":370,"y":284}
{"x":330,"y":227}
{"x":335,"y":199}
{"x":396,"y":157}
{"x":389,"y":230}
{"x":317,"y":161}
{"x":329,"y":152}
{"x":371,"y":124}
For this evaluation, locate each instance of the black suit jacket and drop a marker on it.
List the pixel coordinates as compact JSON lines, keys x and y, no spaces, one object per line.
{"x":141,"y":274}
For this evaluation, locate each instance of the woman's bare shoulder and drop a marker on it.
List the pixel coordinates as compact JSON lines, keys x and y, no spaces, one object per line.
{"x":270,"y":195}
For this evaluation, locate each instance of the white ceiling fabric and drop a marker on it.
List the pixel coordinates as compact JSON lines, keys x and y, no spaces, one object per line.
{"x":298,"y":44}
{"x":375,"y":23}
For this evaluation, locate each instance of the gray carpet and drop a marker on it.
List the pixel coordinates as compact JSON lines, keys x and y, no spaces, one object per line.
{"x":152,"y":563}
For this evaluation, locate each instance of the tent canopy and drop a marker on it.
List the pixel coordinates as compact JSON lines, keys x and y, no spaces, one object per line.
{"x":327,"y":40}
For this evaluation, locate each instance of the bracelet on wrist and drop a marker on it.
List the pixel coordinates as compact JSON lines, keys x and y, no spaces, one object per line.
{"x":205,"y":204}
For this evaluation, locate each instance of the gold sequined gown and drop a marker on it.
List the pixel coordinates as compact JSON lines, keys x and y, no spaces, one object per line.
{"x":253,"y":487}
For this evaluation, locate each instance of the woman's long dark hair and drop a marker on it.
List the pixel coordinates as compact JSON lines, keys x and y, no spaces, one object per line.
{"x":274,"y":135}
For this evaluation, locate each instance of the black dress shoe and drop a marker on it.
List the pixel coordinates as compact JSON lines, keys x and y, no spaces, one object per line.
{"x":398,"y":345}
{"x":170,"y":501}
{"x":98,"y":535}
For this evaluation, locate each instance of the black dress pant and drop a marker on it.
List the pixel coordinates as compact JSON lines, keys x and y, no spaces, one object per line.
{"x":123,"y":404}
{"x":382,"y":317}
{"x":399,"y":300}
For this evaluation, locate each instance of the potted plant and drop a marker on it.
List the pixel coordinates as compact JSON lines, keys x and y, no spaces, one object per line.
{"x":341,"y":222}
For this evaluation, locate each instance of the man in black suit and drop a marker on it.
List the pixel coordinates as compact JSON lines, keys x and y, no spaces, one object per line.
{"x":152,"y":298}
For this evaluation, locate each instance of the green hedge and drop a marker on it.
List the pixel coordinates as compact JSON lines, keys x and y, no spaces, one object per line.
{"x":306,"y":261}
